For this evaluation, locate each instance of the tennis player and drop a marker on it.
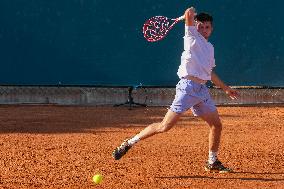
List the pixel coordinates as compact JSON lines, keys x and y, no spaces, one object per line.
{"x":196,"y":68}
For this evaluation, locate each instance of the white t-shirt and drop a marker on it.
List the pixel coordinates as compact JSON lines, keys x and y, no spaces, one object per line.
{"x":198,"y":56}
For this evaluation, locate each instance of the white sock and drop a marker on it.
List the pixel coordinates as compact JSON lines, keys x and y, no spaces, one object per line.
{"x":212,"y":157}
{"x":133,"y":140}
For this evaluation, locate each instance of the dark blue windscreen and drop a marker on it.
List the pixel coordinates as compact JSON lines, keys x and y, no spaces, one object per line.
{"x":98,"y":42}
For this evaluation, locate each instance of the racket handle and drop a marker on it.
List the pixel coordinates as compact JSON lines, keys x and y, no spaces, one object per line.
{"x":181,"y":18}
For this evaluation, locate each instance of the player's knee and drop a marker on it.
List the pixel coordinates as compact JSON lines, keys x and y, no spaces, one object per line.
{"x":164,"y":127}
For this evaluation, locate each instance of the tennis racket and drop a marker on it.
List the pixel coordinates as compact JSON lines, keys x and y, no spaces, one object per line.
{"x":157,"y":27}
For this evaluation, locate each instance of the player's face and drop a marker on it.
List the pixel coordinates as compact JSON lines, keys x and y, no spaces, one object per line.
{"x":204,"y":28}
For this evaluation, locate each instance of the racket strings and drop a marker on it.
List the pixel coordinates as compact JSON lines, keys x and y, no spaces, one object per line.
{"x":156,"y":28}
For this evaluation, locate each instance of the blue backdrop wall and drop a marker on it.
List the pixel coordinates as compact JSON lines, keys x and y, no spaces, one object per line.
{"x":98,"y":42}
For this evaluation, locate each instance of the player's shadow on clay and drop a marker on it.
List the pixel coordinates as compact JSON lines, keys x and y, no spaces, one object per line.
{"x":266,"y":173}
{"x":233,"y":178}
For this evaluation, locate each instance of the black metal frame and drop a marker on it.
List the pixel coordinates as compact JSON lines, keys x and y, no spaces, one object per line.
{"x":130,"y":102}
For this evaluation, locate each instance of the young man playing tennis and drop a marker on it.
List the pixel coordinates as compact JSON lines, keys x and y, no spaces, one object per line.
{"x":197,"y":62}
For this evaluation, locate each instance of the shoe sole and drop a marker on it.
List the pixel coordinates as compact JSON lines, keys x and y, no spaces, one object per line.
{"x":118,"y":157}
{"x":115,"y":156}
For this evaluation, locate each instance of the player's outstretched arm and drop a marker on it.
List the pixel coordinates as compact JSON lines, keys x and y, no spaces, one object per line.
{"x":233,"y":94}
{"x":189,"y":16}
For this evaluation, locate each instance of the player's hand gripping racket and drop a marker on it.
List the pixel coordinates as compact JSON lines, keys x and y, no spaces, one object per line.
{"x":157,"y":27}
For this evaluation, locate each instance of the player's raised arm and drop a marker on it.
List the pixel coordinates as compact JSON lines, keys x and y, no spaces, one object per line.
{"x":189,"y":16}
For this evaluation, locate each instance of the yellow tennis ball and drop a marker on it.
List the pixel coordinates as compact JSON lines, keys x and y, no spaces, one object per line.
{"x":97,"y":178}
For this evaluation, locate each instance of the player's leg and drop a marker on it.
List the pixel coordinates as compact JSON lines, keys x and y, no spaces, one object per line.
{"x":168,"y":122}
{"x":208,"y":112}
{"x":215,"y":130}
{"x":182,"y":102}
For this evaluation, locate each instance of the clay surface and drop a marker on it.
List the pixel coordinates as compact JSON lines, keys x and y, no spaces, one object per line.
{"x":64,"y":146}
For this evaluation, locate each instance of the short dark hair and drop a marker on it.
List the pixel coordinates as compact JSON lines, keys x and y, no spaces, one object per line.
{"x":204,"y":17}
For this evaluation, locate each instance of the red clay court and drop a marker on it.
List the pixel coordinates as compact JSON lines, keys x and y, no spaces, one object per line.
{"x":64,"y":146}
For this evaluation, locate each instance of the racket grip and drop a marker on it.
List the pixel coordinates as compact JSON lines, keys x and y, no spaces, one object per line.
{"x":181,"y":18}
